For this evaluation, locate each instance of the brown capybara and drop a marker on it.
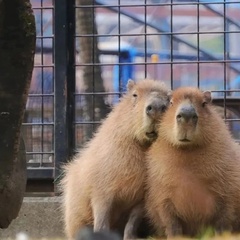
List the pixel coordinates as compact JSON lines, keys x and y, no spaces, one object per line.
{"x":193,"y":169}
{"x":105,"y":180}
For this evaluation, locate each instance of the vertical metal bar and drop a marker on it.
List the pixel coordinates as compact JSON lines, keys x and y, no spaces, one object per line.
{"x":41,"y":90}
{"x":93,"y":67}
{"x":60,"y":85}
{"x":71,"y":76}
{"x":225,"y":55}
{"x":119,"y":50}
{"x":227,"y":45}
{"x":198,"y":47}
{"x":145,"y":38}
{"x":171,"y":43}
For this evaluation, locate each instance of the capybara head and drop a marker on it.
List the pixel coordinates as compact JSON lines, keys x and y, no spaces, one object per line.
{"x":185,"y":123}
{"x":149,"y":99}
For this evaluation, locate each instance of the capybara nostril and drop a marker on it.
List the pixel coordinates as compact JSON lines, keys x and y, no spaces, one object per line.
{"x":179,"y":116}
{"x":187,"y":113}
{"x":149,"y":109}
{"x":195,"y":117}
{"x":163,"y":108}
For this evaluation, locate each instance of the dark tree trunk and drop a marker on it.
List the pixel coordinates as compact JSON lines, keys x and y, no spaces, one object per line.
{"x":96,"y":108}
{"x":17,"y":47}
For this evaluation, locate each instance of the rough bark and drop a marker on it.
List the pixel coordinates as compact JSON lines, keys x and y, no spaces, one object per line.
{"x":96,"y":108}
{"x":17,"y":47}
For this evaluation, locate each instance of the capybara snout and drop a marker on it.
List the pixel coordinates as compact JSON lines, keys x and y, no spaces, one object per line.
{"x":150,"y":99}
{"x":154,"y":111}
{"x":187,"y":113}
{"x":156,"y":108}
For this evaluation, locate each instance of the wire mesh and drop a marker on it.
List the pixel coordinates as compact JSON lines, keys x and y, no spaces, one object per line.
{"x":183,"y":43}
{"x":39,"y":117}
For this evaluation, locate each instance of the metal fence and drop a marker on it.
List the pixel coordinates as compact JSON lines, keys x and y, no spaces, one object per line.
{"x":87,"y":50}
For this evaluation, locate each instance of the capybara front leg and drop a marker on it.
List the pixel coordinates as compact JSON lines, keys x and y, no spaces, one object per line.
{"x":101,"y":214}
{"x":223,"y":220}
{"x":173,"y":226}
{"x":130,"y":231}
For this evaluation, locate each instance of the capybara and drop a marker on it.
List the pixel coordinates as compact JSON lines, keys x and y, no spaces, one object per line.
{"x":105,"y":181}
{"x":193,"y":169}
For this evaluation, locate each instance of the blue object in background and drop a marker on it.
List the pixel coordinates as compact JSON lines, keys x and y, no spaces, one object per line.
{"x":123,"y":72}
{"x":235,"y":85}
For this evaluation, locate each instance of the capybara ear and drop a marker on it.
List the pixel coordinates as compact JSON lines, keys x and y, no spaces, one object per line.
{"x":207,"y":96}
{"x":130,"y":84}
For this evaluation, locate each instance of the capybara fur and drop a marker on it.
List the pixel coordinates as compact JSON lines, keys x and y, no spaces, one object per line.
{"x":193,"y":169}
{"x":105,"y":180}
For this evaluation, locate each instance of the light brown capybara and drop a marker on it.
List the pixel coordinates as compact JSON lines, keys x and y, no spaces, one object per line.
{"x":105,"y":180}
{"x":193,"y":169}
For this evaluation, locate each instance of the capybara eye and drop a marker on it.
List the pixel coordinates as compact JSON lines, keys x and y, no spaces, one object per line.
{"x":134,"y":95}
{"x":171,"y":103}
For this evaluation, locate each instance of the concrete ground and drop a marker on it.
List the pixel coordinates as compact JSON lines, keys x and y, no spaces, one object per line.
{"x":39,"y":217}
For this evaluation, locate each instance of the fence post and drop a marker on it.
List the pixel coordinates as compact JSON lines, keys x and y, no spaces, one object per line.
{"x":63,"y":87}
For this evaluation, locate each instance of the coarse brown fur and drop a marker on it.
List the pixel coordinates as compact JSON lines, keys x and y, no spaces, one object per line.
{"x":193,"y":169}
{"x":105,"y":180}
